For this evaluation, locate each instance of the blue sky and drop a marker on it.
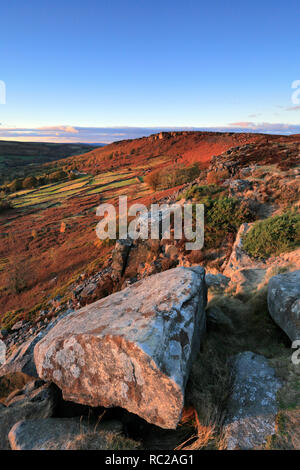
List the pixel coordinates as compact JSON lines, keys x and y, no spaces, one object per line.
{"x":89,"y":70}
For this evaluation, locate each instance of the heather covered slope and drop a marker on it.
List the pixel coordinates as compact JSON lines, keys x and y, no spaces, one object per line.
{"x":48,"y":237}
{"x":54,"y":272}
{"x":185,"y":147}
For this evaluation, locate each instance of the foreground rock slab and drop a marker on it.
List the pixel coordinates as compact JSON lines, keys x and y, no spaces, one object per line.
{"x":132,"y":349}
{"x":284,"y":302}
{"x":60,"y":433}
{"x":252,"y":406}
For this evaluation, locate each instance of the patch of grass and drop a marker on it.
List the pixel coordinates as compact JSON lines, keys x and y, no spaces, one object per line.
{"x":8,"y":319}
{"x":273,"y":236}
{"x":100,"y":440}
{"x":198,"y":192}
{"x":223,"y":216}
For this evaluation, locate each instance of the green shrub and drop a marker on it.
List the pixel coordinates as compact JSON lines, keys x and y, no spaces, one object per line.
{"x":273,"y":236}
{"x":223,"y":217}
{"x":197,"y":192}
{"x":228,"y":214}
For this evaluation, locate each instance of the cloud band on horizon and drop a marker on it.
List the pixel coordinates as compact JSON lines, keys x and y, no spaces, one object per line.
{"x":64,"y":133}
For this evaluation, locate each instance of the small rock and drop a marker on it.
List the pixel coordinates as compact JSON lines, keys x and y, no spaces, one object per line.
{"x":17,"y":326}
{"x":252,"y":407}
{"x":3,"y":334}
{"x":284,"y":302}
{"x":216,"y":281}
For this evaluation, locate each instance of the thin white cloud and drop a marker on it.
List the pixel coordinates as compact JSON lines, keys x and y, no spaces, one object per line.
{"x":67,"y":129}
{"x":293,"y":108}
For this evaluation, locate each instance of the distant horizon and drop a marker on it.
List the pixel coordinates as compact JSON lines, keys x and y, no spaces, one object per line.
{"x":80,"y":135}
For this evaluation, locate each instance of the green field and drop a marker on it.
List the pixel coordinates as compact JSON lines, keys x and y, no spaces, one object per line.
{"x":87,"y":185}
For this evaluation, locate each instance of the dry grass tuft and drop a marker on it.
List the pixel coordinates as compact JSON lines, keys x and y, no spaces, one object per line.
{"x":102,"y":441}
{"x":204,"y":435}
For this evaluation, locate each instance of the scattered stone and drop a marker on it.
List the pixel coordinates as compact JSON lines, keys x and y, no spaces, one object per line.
{"x":21,"y":360}
{"x":252,"y":407}
{"x":284,"y":302}
{"x":216,"y":281}
{"x":17,"y":326}
{"x":238,"y":187}
{"x":89,"y":290}
{"x":171,"y":251}
{"x":132,"y":349}
{"x":3,"y":334}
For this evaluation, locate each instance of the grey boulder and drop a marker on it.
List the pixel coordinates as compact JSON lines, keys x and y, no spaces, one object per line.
{"x":252,"y":406}
{"x":284,"y":302}
{"x":133,"y":349}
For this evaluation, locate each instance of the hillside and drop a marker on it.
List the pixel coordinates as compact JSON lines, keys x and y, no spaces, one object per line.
{"x":115,"y":327}
{"x":49,"y":235}
{"x":16,"y":157}
{"x":184,"y":147}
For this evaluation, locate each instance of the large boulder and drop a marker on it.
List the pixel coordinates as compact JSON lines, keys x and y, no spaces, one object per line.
{"x":284,"y":302}
{"x":34,"y":401}
{"x":132,"y":349}
{"x":60,"y":433}
{"x":252,"y":408}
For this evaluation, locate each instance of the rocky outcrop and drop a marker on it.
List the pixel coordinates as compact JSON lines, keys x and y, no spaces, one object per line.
{"x":252,"y":406}
{"x":58,"y":433}
{"x":119,"y":258}
{"x":248,"y":274}
{"x":284,"y":302}
{"x":237,"y":187}
{"x":132,"y":349}
{"x":34,"y":401}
